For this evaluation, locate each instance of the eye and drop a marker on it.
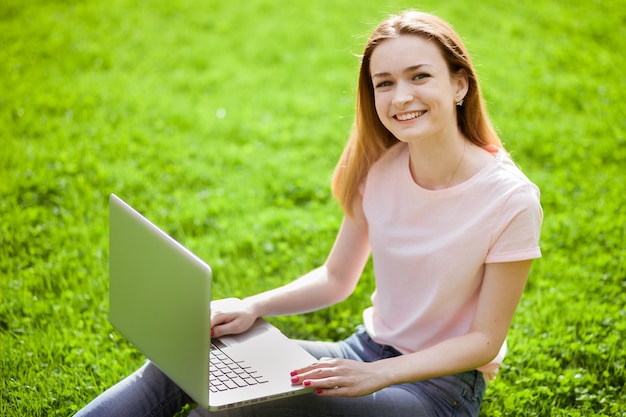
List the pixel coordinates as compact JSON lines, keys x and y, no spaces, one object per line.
{"x":420,"y":76}
{"x":383,"y":84}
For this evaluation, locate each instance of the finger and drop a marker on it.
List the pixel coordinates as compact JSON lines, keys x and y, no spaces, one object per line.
{"x":310,"y":374}
{"x":219,"y":317}
{"x":323,"y":363}
{"x":321,"y":381}
{"x":223,"y":329}
{"x":235,"y":325}
{"x":333,"y":392}
{"x":326,"y":386}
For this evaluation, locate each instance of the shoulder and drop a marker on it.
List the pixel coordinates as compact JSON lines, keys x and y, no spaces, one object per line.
{"x":503,"y":189}
{"x":519,"y":193}
{"x":508,"y":175}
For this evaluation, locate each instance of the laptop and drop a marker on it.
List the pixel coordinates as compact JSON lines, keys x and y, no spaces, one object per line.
{"x":160,"y":296}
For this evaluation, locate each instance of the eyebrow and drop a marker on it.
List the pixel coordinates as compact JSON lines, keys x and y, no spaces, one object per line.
{"x":408,"y":69}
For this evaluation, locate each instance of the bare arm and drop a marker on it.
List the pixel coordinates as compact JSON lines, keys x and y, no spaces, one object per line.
{"x":501,"y":291}
{"x":331,"y":283}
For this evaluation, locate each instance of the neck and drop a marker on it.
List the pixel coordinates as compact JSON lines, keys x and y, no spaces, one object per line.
{"x":438,"y":166}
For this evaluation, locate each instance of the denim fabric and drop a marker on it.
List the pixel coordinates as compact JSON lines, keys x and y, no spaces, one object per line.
{"x":146,"y":392}
{"x":150,"y":393}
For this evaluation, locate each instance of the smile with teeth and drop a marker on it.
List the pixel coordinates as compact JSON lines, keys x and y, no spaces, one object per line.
{"x":409,"y":116}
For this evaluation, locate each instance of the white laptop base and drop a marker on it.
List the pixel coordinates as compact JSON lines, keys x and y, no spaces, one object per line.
{"x":271,"y":357}
{"x":160,"y":295}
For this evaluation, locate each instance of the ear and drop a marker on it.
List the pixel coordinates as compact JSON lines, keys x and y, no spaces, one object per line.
{"x":461,"y":82}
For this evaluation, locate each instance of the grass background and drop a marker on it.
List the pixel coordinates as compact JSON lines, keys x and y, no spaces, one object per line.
{"x":222,"y":123}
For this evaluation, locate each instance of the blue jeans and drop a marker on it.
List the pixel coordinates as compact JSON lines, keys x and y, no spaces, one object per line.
{"x":148,"y":392}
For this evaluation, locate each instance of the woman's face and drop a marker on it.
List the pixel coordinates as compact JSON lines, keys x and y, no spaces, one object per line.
{"x":414,"y":92}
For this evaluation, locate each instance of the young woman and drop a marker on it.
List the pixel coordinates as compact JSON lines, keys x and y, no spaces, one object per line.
{"x":452,"y":226}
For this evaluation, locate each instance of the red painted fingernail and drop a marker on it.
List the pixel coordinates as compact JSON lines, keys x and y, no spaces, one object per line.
{"x":212,"y":333}
{"x":294,"y":373}
{"x":318,"y":391}
{"x":294,"y":379}
{"x":306,"y":383}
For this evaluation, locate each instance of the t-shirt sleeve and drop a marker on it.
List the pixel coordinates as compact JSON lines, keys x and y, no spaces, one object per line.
{"x":518,"y":228}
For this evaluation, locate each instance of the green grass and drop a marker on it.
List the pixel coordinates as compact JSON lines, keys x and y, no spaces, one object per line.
{"x":222,"y":123}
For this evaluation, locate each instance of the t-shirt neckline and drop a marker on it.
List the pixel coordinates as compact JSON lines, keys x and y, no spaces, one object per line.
{"x":452,"y":190}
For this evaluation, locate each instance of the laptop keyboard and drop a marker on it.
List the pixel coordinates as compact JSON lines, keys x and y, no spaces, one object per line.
{"x":226,"y":374}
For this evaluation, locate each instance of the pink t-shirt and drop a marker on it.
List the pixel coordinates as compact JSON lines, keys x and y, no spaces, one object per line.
{"x":430,"y":247}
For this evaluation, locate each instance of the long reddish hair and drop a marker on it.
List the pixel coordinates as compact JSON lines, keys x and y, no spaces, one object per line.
{"x":369,"y":138}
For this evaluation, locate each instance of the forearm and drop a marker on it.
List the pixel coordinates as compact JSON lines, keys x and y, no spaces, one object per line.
{"x":455,"y":355}
{"x":312,"y":291}
{"x":341,"y":377}
{"x":324,"y":286}
{"x":474,"y":349}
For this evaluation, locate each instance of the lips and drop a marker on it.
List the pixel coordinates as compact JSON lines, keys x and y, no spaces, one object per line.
{"x":409,"y":116}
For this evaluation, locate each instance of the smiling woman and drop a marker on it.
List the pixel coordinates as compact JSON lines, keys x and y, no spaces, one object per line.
{"x":452,"y":226}
{"x":409,"y":74}
{"x":123,"y":96}
{"x":435,"y":42}
{"x":416,"y":95}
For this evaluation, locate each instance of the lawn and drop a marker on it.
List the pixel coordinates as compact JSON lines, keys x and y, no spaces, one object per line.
{"x":222,"y":123}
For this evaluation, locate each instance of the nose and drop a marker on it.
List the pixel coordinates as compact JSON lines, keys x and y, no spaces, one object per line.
{"x":402,"y":95}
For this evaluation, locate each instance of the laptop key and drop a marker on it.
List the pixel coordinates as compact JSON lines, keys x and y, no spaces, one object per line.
{"x":228,"y":374}
{"x":240,"y":382}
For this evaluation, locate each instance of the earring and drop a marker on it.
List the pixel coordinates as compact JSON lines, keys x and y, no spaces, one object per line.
{"x":460,"y":103}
